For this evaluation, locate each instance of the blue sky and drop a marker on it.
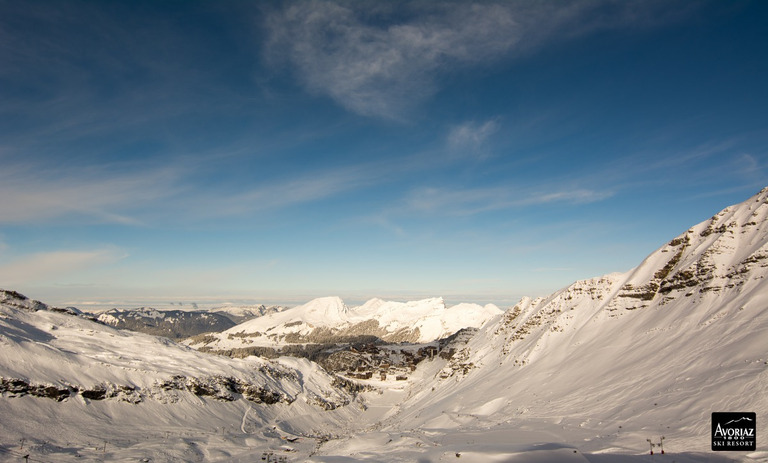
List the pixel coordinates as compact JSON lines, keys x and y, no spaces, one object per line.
{"x":220,"y":151}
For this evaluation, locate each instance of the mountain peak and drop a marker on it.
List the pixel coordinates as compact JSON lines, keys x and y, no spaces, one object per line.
{"x":18,"y":300}
{"x":323,"y":310}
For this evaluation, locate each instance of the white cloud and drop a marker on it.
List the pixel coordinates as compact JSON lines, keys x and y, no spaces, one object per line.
{"x":472,"y":201}
{"x":34,"y":195}
{"x":296,"y":190}
{"x":379,"y":62}
{"x":469,"y":138}
{"x":381,"y":69}
{"x":45,"y":266}
{"x":156,"y":194}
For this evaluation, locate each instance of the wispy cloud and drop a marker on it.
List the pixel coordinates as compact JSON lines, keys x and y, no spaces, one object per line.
{"x":93,"y":195}
{"x":379,"y":69}
{"x":156,"y":194}
{"x":298,"y":189}
{"x":470,"y":201}
{"x":659,"y":165}
{"x":470,"y":138}
{"x":552,"y":269}
{"x":45,"y":266}
{"x":71,"y":72}
{"x":380,"y":62}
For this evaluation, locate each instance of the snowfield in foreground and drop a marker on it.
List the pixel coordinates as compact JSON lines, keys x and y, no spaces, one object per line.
{"x":595,"y":372}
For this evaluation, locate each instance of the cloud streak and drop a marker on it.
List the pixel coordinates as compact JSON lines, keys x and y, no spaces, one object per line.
{"x":377,"y":69}
{"x":470,"y":138}
{"x":36,"y":195}
{"x":85,"y":72}
{"x":45,"y":266}
{"x":153,"y":194}
{"x":379,"y":62}
{"x":299,"y":189}
{"x":472,"y":201}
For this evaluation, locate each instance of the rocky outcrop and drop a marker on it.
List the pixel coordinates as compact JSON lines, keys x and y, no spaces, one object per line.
{"x":174,"y":324}
{"x":20,"y":301}
{"x":19,"y":387}
{"x":225,"y":388}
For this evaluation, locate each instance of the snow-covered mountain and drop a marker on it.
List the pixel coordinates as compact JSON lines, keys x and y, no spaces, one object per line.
{"x":607,"y":363}
{"x":179,"y":324}
{"x":174,"y":324}
{"x":241,"y":313}
{"x":596,"y":372}
{"x":329,"y":320}
{"x":65,"y":378}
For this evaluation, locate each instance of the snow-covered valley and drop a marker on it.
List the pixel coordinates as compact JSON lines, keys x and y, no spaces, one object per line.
{"x":595,"y":372}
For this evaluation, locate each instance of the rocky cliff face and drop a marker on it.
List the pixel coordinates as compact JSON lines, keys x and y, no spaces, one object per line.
{"x":712,"y":264}
{"x":717,"y":255}
{"x":17,"y":300}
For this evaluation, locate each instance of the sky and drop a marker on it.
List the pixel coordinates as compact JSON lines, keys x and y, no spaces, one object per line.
{"x":208,"y":152}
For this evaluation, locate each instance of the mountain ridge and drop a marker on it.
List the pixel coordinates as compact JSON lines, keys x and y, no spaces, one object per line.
{"x":328,"y":319}
{"x":653,"y":350}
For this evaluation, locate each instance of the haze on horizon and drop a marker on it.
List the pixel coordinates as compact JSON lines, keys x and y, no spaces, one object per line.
{"x":276,"y":152}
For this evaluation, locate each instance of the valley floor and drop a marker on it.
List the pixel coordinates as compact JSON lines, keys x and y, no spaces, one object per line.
{"x":390,"y":433}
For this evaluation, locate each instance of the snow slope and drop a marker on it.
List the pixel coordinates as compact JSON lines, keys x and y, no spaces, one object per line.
{"x":328,"y":319}
{"x":69,"y":383}
{"x":607,"y":363}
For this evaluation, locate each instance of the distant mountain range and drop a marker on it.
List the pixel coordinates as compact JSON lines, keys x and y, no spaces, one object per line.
{"x":179,"y":324}
{"x":328,"y":320}
{"x":175,"y":324}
